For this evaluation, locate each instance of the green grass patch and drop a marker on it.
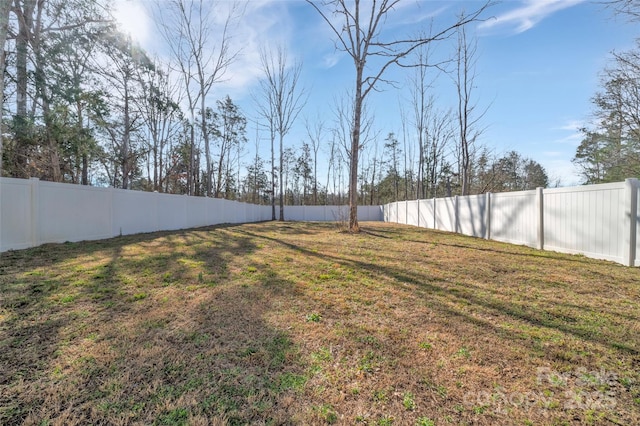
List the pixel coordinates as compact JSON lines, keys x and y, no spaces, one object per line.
{"x":294,"y":323}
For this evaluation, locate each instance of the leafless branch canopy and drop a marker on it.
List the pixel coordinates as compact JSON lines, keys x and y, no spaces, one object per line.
{"x":360,"y":36}
{"x":630,"y":8}
{"x":284,"y":98}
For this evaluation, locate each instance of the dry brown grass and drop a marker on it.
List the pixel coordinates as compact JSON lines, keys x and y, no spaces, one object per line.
{"x":291,"y":323}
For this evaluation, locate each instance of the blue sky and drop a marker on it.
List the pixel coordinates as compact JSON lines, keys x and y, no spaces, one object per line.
{"x":538,"y":66}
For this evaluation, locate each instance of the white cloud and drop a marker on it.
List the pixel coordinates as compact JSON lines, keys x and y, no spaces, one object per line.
{"x":563,"y":171}
{"x":265,"y":24}
{"x":260,"y":24}
{"x":575,"y":137}
{"x":572,"y":125}
{"x":528,"y":15}
{"x":331,"y":59}
{"x":414,"y":13}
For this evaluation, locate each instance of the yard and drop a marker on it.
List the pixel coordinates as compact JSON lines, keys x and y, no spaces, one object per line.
{"x":298,"y":323}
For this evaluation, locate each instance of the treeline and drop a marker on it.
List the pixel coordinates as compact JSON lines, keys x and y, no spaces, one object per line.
{"x":84,"y":104}
{"x":610,"y":148}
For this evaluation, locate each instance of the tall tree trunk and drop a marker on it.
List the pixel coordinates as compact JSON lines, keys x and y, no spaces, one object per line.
{"x":5,"y":8}
{"x":205,"y":137}
{"x":85,"y":169}
{"x":54,"y":157}
{"x":273,"y":179}
{"x":281,"y":182}
{"x":25,"y":24}
{"x":41,"y":92}
{"x":192,"y":153}
{"x":220,"y":168}
{"x":124,"y":152}
{"x":355,"y":149}
{"x":373,"y":178}
{"x":84,"y":178}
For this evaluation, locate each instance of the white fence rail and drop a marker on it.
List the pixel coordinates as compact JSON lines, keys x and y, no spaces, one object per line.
{"x":34,"y":212}
{"x":599,"y":221}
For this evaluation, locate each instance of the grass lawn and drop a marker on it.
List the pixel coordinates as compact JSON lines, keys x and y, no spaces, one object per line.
{"x":297,"y":323}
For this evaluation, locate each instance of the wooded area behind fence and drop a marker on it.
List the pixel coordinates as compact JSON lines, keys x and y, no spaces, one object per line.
{"x":598,"y":221}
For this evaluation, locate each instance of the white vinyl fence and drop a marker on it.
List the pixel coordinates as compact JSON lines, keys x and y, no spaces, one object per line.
{"x":331,"y":213}
{"x":34,"y":212}
{"x":599,"y":221}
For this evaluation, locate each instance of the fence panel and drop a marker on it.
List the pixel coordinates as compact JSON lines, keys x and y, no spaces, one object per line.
{"x":587,"y":220}
{"x":446,"y":214}
{"x":215,"y":211}
{"x":393,"y":212}
{"x":170,"y":210}
{"x":197,"y":212}
{"x":316,"y":213}
{"x":472,"y":215}
{"x":514,"y":218}
{"x":16,"y":231}
{"x":72,"y":213}
{"x":401,"y":208}
{"x":413,"y":212}
{"x":133,"y":212}
{"x":294,"y":213}
{"x":426,"y":213}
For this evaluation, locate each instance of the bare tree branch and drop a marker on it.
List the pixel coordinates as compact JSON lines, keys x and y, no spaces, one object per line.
{"x":283,"y":99}
{"x":360,"y":37}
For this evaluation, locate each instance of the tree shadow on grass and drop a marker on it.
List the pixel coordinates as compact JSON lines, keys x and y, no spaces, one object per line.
{"x":466,"y":294}
{"x":154,"y":329}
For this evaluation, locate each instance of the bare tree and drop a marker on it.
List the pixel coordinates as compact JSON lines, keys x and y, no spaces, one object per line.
{"x":201,"y":53}
{"x":343,"y":127}
{"x":162,"y":116}
{"x":359,"y":35}
{"x":468,"y":115}
{"x":439,"y":134}
{"x":121,"y":68}
{"x":5,"y":8}
{"x":376,"y":163}
{"x":422,"y":103}
{"x":331,"y":167}
{"x":315,"y":133}
{"x":266,"y":110}
{"x":282,"y":100}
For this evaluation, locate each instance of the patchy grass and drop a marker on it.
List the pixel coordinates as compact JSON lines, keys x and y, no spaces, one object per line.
{"x":292,"y":323}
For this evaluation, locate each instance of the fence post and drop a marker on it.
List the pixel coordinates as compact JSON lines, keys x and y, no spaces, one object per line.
{"x":456,"y":214}
{"x":630,"y":221}
{"x":406,"y":212}
{"x":487,"y":213}
{"x":435,"y":219}
{"x":35,"y":209}
{"x":540,"y":214}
